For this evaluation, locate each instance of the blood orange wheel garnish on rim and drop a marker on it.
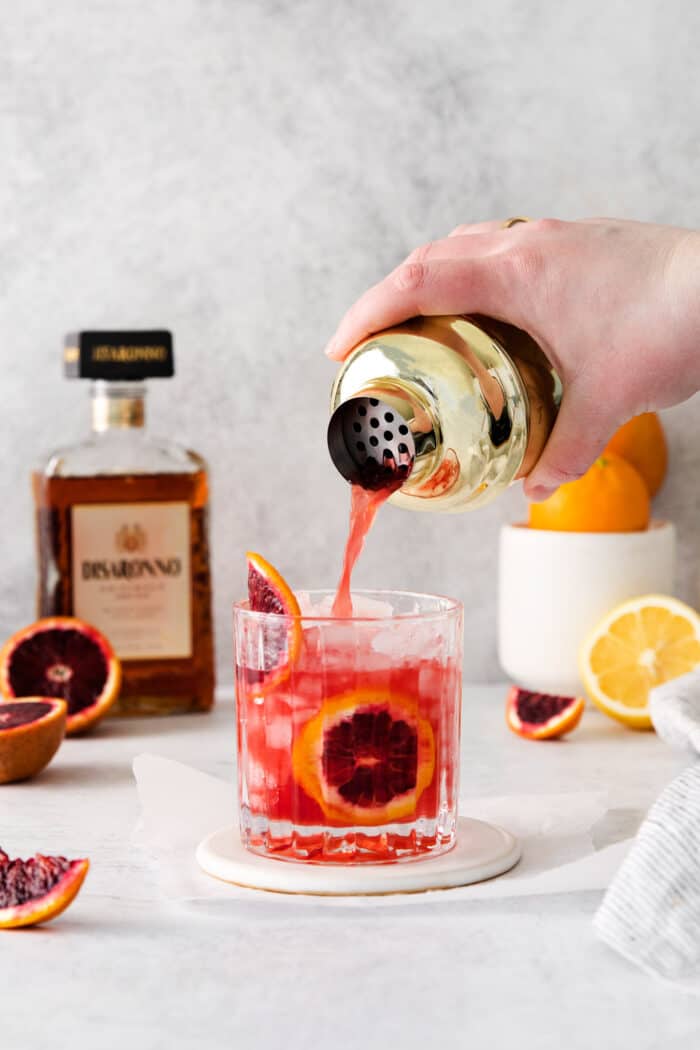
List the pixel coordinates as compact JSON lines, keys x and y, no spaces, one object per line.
{"x":366,"y":757}
{"x":269,"y":592}
{"x":36,"y":890}
{"x":62,"y":657}
{"x":31,"y":732}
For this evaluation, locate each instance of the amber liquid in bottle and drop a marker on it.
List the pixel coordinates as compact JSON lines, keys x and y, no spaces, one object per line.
{"x":149,"y":686}
{"x":122,"y":542}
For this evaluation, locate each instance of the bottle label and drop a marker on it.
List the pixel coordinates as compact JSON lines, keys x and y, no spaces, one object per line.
{"x":132,"y":576}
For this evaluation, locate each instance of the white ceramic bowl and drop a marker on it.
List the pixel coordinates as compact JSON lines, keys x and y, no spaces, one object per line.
{"x":555,"y":586}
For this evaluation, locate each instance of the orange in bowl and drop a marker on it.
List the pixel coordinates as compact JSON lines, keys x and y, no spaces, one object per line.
{"x":610,"y":497}
{"x":642,"y":442}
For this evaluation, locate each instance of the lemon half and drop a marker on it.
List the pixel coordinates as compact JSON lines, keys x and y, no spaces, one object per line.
{"x":640,"y":644}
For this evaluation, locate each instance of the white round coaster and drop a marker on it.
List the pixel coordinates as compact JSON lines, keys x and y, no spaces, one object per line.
{"x":481,"y":852}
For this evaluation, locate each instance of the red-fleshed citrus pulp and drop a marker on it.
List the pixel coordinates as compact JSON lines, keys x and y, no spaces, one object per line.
{"x":366,"y":757}
{"x":31,"y":732}
{"x":541,"y":716}
{"x":269,"y":592}
{"x":63,"y":658}
{"x":36,"y":890}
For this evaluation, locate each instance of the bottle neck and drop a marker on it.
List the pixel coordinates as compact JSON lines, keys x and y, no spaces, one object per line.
{"x":117,"y":406}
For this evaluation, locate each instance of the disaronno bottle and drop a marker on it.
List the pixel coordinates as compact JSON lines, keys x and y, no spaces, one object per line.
{"x":122,"y":530}
{"x":448,"y":411}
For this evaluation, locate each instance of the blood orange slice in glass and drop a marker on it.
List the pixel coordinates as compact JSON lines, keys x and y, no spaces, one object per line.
{"x":269,"y":592}
{"x":366,"y":757}
{"x":63,"y":658}
{"x":38,"y":889}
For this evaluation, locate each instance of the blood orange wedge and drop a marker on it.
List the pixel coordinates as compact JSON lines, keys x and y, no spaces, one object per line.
{"x":30,"y":734}
{"x":269,"y":592}
{"x":366,"y":757}
{"x":541,"y":716}
{"x":64,"y":658}
{"x":38,"y":889}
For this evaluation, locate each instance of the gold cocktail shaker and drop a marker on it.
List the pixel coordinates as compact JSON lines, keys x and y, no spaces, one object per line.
{"x":446,"y":410}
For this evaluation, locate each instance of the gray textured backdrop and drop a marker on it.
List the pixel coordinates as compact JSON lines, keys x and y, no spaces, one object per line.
{"x":240,"y":170}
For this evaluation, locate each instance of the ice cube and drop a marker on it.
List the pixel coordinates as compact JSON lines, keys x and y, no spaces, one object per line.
{"x":255,"y":775}
{"x":324,"y":607}
{"x":362,"y":606}
{"x":279,"y":731}
{"x":388,"y":639}
{"x":305,"y":604}
{"x":408,"y":641}
{"x":431,"y":682}
{"x":371,"y":608}
{"x":313,"y":642}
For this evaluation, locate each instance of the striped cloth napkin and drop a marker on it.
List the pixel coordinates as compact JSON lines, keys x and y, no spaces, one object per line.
{"x":651,"y":911}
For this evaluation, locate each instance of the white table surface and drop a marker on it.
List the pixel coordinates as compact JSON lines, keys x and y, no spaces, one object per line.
{"x":123,"y":968}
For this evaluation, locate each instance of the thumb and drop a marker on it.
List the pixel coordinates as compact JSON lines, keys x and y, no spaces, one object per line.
{"x":583,"y":428}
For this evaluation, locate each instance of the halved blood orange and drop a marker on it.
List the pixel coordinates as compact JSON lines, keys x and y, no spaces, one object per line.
{"x":542,"y":716}
{"x":269,"y":592}
{"x":366,"y":757}
{"x":31,"y":732}
{"x":63,"y":658}
{"x":36,"y":890}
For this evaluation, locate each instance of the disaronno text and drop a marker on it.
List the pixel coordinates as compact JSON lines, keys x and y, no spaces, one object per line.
{"x":105,"y":352}
{"x":131,"y":568}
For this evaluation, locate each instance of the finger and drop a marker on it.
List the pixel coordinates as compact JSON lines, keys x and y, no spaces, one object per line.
{"x":467,"y":229}
{"x":583,"y":428}
{"x":454,"y":248}
{"x":473,"y":285}
{"x":603,"y":220}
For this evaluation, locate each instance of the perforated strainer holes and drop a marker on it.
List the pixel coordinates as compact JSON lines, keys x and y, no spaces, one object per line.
{"x":354,"y":434}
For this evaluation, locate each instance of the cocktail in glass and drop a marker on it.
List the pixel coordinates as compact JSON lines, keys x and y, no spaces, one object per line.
{"x":348,"y":729}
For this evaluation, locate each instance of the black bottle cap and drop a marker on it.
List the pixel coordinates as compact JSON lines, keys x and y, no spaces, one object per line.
{"x":119,"y":356}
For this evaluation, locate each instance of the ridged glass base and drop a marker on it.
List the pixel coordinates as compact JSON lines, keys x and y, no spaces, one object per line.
{"x":388,"y":844}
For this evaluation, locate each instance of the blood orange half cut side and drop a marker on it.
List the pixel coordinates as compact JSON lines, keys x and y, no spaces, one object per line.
{"x":31,"y":732}
{"x":542,"y":716}
{"x":36,"y":890}
{"x":366,"y":757}
{"x":269,"y":592}
{"x":63,"y":658}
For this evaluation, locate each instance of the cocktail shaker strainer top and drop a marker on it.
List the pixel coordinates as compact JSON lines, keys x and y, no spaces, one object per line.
{"x":446,"y":410}
{"x":371,"y":443}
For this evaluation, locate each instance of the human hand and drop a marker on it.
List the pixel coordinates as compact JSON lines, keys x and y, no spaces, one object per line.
{"x":615,"y":306}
